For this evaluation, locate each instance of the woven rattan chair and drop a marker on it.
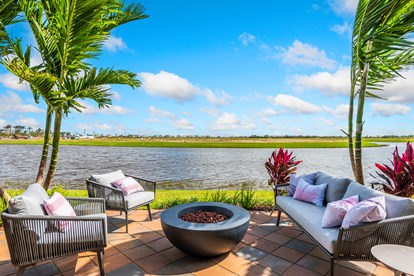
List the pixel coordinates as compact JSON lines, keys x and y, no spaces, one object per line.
{"x":115,"y":199}
{"x":34,"y":238}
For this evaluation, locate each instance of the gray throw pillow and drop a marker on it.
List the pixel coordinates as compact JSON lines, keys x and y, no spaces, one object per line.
{"x":30,"y":202}
{"x":294,"y":180}
{"x":108,"y":178}
{"x":336,"y":186}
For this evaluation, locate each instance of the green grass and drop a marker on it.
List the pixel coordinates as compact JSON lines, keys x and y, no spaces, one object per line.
{"x":314,"y":142}
{"x":168,"y":198}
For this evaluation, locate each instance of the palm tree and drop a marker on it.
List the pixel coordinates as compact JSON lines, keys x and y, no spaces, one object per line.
{"x":68,"y":34}
{"x":381,"y":49}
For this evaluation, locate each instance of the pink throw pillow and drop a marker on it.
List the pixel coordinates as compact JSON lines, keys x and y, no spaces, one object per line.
{"x":128,"y":185}
{"x":314,"y":194}
{"x":369,"y":210}
{"x":57,"y":205}
{"x":335,"y":211}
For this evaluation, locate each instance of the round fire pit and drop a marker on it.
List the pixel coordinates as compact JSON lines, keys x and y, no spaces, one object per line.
{"x":205,"y":239}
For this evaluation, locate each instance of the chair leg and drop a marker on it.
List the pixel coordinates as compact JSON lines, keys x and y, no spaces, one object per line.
{"x":149,"y":211}
{"x":101,"y":262}
{"x":20,"y":270}
{"x":120,"y":212}
{"x":278,"y":217}
{"x":332,"y":267}
{"x":126,"y":221}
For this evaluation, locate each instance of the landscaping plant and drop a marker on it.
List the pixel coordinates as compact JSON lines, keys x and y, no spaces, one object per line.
{"x":279,"y":166}
{"x":398,"y":179}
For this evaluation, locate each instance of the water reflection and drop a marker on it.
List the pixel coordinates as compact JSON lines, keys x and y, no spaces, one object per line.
{"x":207,"y":166}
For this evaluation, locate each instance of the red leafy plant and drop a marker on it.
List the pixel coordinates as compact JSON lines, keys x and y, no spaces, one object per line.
{"x":398,"y":179}
{"x":280,"y":165}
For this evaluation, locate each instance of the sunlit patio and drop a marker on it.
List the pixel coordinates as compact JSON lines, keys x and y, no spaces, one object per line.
{"x":265,"y":250}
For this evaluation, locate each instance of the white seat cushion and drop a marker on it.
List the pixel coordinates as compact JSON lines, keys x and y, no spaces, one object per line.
{"x":140,"y":198}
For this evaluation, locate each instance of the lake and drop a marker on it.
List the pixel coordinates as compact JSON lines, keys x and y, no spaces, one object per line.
{"x":197,"y":168}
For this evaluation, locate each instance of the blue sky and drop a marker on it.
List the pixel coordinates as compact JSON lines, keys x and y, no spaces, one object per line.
{"x":225,"y":68}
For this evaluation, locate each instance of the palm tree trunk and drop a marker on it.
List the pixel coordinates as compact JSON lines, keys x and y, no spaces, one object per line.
{"x":351,"y":124}
{"x":45,"y":151}
{"x":55,"y":149}
{"x":4,"y":195}
{"x":359,"y":174}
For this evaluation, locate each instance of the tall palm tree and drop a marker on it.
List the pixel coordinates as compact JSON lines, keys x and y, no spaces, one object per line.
{"x":382,"y":48}
{"x":68,"y":34}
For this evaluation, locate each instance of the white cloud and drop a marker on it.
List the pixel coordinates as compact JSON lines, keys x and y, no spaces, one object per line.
{"x":218,"y":100}
{"x":183,"y":124}
{"x":111,"y":110}
{"x":3,"y":123}
{"x":305,"y":54}
{"x":230,"y":121}
{"x":101,"y":126}
{"x":338,"y":82}
{"x":168,"y":85}
{"x":343,"y":29}
{"x":344,"y":7}
{"x":12,"y":102}
{"x":400,"y":90}
{"x":246,"y":38}
{"x":327,"y":121}
{"x":115,"y":96}
{"x":294,"y":103}
{"x":340,"y":111}
{"x":271,"y":112}
{"x":156,"y":112}
{"x":266,"y":121}
{"x":115,"y":44}
{"x":28,"y":122}
{"x":388,"y":110}
{"x":210,"y":111}
{"x":11,"y":81}
{"x":152,"y":120}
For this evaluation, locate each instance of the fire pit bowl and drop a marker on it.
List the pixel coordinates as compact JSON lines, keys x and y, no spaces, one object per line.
{"x":205,"y":239}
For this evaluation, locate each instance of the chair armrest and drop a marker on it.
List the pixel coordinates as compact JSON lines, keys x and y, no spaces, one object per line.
{"x":358,"y":240}
{"x":100,"y":186}
{"x":83,"y":205}
{"x":148,"y":185}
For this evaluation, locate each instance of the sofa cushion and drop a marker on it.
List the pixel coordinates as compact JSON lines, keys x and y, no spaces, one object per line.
{"x":335,"y":211}
{"x":137,"y":199}
{"x":396,"y":206}
{"x":57,"y":205}
{"x":369,"y":210}
{"x":314,"y":194}
{"x":294,"y":181}
{"x":30,"y":202}
{"x":336,"y":186}
{"x":108,"y":178}
{"x":73,"y":237}
{"x":128,"y":185}
{"x":309,"y":217}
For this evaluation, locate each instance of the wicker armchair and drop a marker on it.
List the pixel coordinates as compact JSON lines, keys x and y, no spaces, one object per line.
{"x":115,"y":199}
{"x":35,"y":238}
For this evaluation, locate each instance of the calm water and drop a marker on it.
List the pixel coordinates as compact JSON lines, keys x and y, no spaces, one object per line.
{"x":206,"y":167}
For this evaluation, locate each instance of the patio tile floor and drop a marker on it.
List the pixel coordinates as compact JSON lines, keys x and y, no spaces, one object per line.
{"x":266,"y":250}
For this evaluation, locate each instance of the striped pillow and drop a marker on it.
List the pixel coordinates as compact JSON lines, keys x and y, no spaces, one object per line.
{"x":57,"y":205}
{"x":128,"y":185}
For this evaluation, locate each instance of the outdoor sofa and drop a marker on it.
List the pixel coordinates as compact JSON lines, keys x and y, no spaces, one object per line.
{"x":33,"y":236}
{"x":355,"y":242}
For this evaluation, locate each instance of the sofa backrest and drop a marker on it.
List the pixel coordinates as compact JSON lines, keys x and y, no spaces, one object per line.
{"x":396,"y":206}
{"x":336,"y":186}
{"x":30,"y":202}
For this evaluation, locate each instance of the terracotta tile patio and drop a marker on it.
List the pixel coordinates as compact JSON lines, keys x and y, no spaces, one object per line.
{"x":266,"y":250}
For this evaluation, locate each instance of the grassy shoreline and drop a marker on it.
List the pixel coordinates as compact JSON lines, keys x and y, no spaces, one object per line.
{"x":242,"y":142}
